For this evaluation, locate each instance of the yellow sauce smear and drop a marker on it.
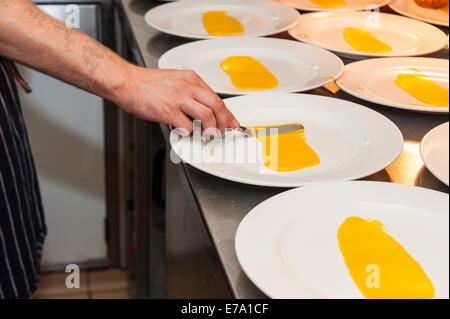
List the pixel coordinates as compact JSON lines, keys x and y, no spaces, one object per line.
{"x":423,"y":89}
{"x":379,"y":265}
{"x":444,"y":9}
{"x":218,"y":23}
{"x":328,"y":3}
{"x":247,"y":73}
{"x":363,"y":41}
{"x":287,"y":152}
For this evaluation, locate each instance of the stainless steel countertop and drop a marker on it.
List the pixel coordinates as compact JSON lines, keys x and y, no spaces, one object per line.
{"x":224,"y":203}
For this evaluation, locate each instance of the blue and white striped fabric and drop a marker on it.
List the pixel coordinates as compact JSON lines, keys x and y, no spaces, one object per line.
{"x":22,"y":225}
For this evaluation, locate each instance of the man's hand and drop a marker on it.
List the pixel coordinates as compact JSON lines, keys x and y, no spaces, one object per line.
{"x":29,"y":36}
{"x":173,"y":97}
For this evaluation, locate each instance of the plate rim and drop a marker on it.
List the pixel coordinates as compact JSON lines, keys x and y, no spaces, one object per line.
{"x":309,"y":9}
{"x":204,"y":37}
{"x":368,"y":54}
{"x":162,"y":62}
{"x":299,"y":189}
{"x":424,"y":158}
{"x":297,"y":184}
{"x":421,"y":109}
{"x":395,"y":7}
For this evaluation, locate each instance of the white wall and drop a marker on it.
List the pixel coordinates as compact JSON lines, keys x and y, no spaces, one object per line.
{"x":65,"y":126}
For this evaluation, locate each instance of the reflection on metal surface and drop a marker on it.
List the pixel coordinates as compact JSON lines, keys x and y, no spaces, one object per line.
{"x":408,"y":165}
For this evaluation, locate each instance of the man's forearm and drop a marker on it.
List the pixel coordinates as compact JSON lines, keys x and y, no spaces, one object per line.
{"x":29,"y":36}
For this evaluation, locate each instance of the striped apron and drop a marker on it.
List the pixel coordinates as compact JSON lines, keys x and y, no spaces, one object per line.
{"x":22,"y":225}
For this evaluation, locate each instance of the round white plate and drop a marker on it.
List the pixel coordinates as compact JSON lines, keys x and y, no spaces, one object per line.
{"x":410,"y":9}
{"x":259,"y":18}
{"x":434,"y":150}
{"x":297,"y":66}
{"x":351,"y":140}
{"x":350,"y":5}
{"x":407,"y":37}
{"x":288,"y":244}
{"x":373,"y":80}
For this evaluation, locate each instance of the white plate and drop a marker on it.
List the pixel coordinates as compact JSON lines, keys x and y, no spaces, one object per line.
{"x":350,"y":5}
{"x":351,"y":140}
{"x":259,"y":18}
{"x":373,"y":80}
{"x":410,"y":9}
{"x":297,"y":66}
{"x":407,"y":37}
{"x":434,"y":150}
{"x":288,"y":244}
